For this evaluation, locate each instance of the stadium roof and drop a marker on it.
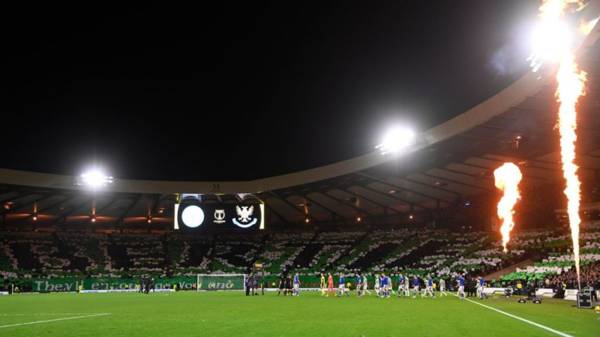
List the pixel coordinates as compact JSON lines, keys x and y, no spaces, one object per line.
{"x":449,"y":163}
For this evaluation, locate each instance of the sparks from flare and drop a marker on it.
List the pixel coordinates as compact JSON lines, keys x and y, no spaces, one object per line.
{"x":571,"y":86}
{"x":507,"y":178}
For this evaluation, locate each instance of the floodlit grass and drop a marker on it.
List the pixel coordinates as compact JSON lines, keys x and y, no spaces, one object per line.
{"x":233,"y":314}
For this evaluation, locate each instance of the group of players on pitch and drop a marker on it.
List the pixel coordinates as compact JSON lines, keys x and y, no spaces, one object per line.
{"x":383,"y":287}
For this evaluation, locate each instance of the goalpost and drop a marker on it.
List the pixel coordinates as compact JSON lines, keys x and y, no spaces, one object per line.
{"x":220,"y":282}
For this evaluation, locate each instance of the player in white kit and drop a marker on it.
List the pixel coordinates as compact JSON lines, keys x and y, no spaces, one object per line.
{"x":365,"y":284}
{"x":400,"y":285}
{"x":442,"y":287}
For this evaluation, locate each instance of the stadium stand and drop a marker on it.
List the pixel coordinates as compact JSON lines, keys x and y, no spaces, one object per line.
{"x":26,"y":255}
{"x":427,"y":213}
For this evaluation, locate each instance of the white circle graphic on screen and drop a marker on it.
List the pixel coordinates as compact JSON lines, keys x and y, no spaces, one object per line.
{"x":192,"y":216}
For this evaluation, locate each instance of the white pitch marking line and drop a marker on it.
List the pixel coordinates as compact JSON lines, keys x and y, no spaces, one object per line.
{"x":47,"y":314}
{"x":53,"y":320}
{"x":521,"y":319}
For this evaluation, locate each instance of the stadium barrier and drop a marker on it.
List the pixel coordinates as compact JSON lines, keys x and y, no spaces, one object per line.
{"x":571,"y":294}
{"x":545,"y":292}
{"x":76,"y":284}
{"x":3,"y":293}
{"x":302,"y":289}
{"x":107,"y":284}
{"x":219,"y":281}
{"x":71,"y":284}
{"x":493,"y":291}
{"x":159,"y":290}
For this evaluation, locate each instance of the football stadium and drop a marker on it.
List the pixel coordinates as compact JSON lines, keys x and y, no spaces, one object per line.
{"x":486,"y":223}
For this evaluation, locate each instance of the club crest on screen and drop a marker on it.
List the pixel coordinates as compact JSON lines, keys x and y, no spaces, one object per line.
{"x":219,"y":216}
{"x":245,"y":216}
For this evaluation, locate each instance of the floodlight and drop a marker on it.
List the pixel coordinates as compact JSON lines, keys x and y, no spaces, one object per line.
{"x":549,"y":40}
{"x":396,"y":139}
{"x":95,"y":178}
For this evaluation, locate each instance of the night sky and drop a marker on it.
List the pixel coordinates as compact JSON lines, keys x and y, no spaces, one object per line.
{"x":242,"y":91}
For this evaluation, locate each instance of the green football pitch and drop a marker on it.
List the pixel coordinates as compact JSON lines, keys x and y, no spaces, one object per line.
{"x":233,"y":314}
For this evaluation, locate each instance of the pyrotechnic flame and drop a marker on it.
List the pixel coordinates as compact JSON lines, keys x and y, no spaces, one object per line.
{"x":552,"y":35}
{"x":571,"y":85}
{"x":507,"y":179}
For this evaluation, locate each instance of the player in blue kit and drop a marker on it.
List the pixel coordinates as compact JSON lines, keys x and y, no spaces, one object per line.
{"x":342,"y":286}
{"x":429,"y":287}
{"x":480,"y":287}
{"x":296,"y":285}
{"x":461,"y":286}
{"x":416,"y":283}
{"x":384,"y":286}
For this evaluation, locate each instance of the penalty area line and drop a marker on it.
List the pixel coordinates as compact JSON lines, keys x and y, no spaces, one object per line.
{"x":521,"y":319}
{"x":53,"y":320}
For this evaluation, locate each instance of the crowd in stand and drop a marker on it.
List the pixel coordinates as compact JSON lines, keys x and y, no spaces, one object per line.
{"x":590,"y":276}
{"x":436,"y":252}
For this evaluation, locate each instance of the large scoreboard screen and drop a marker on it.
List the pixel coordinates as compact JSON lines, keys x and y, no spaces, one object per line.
{"x":192,"y":214}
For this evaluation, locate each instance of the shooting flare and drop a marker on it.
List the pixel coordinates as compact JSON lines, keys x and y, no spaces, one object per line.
{"x":554,"y":42}
{"x":507,"y":178}
{"x":571,"y":85}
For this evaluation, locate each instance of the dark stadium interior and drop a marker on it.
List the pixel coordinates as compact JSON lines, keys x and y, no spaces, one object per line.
{"x":135,"y":78}
{"x":234,"y":148}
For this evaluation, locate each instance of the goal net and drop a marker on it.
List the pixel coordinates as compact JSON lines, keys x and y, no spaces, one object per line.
{"x":221,"y":282}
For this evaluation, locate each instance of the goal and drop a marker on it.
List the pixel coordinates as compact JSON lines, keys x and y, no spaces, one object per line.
{"x":221,"y":282}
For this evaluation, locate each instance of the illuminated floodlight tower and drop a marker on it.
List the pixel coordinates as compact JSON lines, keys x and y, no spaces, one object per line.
{"x":94,"y":179}
{"x":396,"y":140}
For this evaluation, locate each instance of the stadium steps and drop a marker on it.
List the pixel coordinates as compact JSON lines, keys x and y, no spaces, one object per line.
{"x":373,"y":257}
{"x":261,"y":249}
{"x":304,"y":259}
{"x":347,"y":251}
{"x":498,"y":274}
{"x":429,"y":248}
